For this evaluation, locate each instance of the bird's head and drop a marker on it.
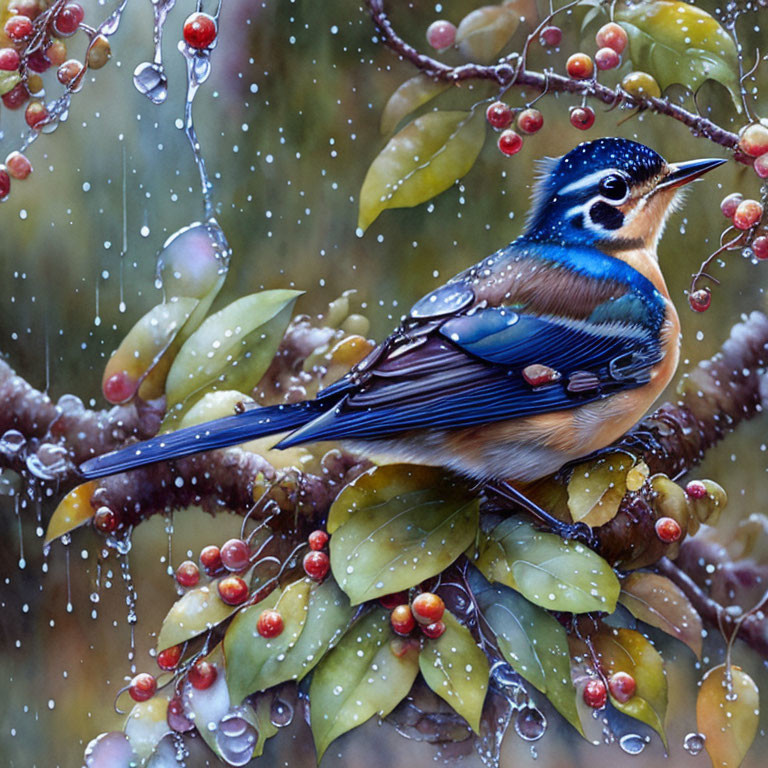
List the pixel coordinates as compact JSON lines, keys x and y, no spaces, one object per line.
{"x":611,"y":193}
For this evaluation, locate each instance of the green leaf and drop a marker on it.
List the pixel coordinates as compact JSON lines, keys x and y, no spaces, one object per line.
{"x":146,"y":725}
{"x":409,"y":96}
{"x":457,"y":670}
{"x":421,"y":161}
{"x":368,"y":673}
{"x":624,"y":650}
{"x":315,"y":617}
{"x":232,"y":349}
{"x":659,"y":602}
{"x":73,"y":510}
{"x":8,"y":81}
{"x":680,"y":43}
{"x":596,"y":488}
{"x":484,"y":32}
{"x":532,"y":641}
{"x":552,"y":573}
{"x":411,"y":530}
{"x":728,"y":714}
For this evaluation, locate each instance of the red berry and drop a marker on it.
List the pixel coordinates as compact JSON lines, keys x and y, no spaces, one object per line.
{"x":316,"y":565}
{"x":761,"y":166}
{"x":536,"y":375}
{"x":402,"y":619}
{"x":35,"y":113}
{"x":622,"y":686}
{"x":441,"y":34}
{"x":611,"y":36}
{"x":729,"y":204}
{"x":177,"y":716}
{"x":16,"y":97}
{"x":68,"y":71}
{"x":499,"y":115}
{"x":579,"y":66}
{"x":119,"y":387}
{"x":510,"y":143}
{"x":142,"y":687}
{"x":530,"y":120}
{"x":105,"y":520}
{"x":607,"y":58}
{"x":5,"y":184}
{"x":270,"y":624}
{"x":595,"y":694}
{"x":434,"y":630}
{"x":318,"y":540}
{"x":696,"y":489}
{"x":748,"y":213}
{"x":582,"y":118}
{"x":199,"y":30}
{"x":668,"y":530}
{"x":700,"y":300}
{"x":760,"y":247}
{"x":428,"y":608}
{"x":235,"y":555}
{"x":168,"y":658}
{"x":392,"y":601}
{"x":187,"y":574}
{"x":9,"y":59}
{"x":37,"y":61}
{"x":233,"y":590}
{"x":551,"y":36}
{"x":18,"y":28}
{"x":68,"y":19}
{"x":202,"y":674}
{"x":753,"y":140}
{"x":210,"y":559}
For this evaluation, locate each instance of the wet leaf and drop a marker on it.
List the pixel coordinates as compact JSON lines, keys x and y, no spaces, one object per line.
{"x":232,"y":349}
{"x":146,"y":725}
{"x":659,"y":602}
{"x":421,"y":161}
{"x":412,"y":529}
{"x":485,"y":32}
{"x":359,"y":678}
{"x":728,"y":713}
{"x":262,"y":721}
{"x":409,"y":96}
{"x":624,"y":650}
{"x":532,"y":641}
{"x":73,"y":511}
{"x":315,"y":617}
{"x":8,"y":81}
{"x":457,"y":670}
{"x":596,"y":488}
{"x":680,"y":43}
{"x":552,"y":573}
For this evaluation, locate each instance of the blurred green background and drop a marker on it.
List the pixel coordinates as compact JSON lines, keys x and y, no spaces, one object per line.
{"x":288,"y":124}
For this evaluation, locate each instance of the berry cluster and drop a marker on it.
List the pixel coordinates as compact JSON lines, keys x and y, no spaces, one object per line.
{"x":621,"y":685}
{"x":426,"y":610}
{"x":31,"y":42}
{"x":500,"y":116}
{"x":316,"y":562}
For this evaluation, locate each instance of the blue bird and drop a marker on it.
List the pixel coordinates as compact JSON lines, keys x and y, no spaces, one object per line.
{"x":543,"y":353}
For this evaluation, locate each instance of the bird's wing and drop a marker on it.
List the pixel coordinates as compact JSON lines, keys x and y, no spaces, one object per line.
{"x":469,"y":370}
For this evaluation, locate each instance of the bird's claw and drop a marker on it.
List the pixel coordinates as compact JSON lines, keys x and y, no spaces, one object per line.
{"x":579,"y":532}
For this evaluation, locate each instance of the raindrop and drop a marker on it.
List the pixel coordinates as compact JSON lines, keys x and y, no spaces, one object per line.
{"x":694,"y":743}
{"x":632,"y":743}
{"x":530,"y":724}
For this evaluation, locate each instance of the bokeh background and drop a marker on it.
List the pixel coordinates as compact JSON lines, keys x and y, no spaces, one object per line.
{"x":288,"y":124}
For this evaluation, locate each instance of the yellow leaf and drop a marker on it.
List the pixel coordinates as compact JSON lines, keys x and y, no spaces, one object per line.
{"x":411,"y":95}
{"x":485,"y":32}
{"x":596,"y":489}
{"x":73,"y":511}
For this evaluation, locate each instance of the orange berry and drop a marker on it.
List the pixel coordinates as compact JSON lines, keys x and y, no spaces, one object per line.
{"x":753,"y":140}
{"x":622,"y":686}
{"x":510,"y":142}
{"x":428,"y":608}
{"x":748,"y":213}
{"x":579,"y":66}
{"x":402,"y":619}
{"x":612,"y":36}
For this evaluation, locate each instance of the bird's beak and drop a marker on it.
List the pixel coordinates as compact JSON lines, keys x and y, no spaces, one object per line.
{"x":683,"y":173}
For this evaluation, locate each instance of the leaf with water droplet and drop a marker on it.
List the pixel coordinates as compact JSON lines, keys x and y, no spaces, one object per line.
{"x":412,"y":529}
{"x":409,"y":96}
{"x":422,"y":160}
{"x":361,"y":677}
{"x":231,"y":349}
{"x":146,"y":725}
{"x":72,"y":511}
{"x":484,"y":33}
{"x":680,"y":43}
{"x":659,"y":602}
{"x":596,"y":488}
{"x":531,"y":640}
{"x":457,"y":670}
{"x":625,"y":650}
{"x":555,"y":574}
{"x":728,"y":714}
{"x":315,"y":617}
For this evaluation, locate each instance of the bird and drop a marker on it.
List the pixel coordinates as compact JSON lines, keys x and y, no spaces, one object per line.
{"x":541,"y":354}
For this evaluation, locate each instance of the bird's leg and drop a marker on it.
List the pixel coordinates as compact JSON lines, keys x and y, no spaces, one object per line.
{"x":578,"y":531}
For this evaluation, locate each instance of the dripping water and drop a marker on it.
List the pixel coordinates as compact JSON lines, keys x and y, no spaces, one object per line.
{"x":149,"y":77}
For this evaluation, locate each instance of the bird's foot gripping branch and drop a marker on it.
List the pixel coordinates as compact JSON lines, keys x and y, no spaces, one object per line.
{"x":350,"y":579}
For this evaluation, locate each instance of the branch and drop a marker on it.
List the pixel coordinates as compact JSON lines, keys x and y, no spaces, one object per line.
{"x":507,"y":75}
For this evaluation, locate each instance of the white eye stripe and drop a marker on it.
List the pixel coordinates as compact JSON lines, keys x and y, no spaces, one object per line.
{"x":587,"y":181}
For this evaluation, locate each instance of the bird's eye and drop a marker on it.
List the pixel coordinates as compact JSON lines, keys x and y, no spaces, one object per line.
{"x":614,"y":187}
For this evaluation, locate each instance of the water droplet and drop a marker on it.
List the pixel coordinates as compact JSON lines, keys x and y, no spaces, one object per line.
{"x":694,"y":743}
{"x":632,"y":743}
{"x":530,"y":724}
{"x":281,"y":713}
{"x":150,"y":81}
